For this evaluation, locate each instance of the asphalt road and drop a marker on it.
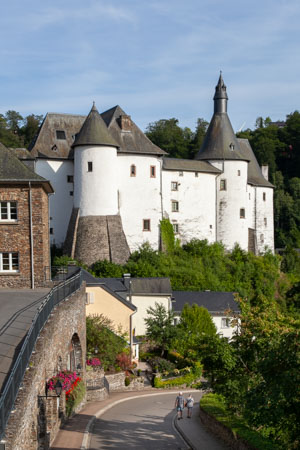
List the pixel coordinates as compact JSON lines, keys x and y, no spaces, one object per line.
{"x":146,"y":423}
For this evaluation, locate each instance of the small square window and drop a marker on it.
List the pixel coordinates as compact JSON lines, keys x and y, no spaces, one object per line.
{"x":174,"y":186}
{"x":210,"y":227}
{"x":152,"y":171}
{"x":90,"y":166}
{"x":264,"y":196}
{"x":71,"y":193}
{"x":175,"y":228}
{"x":9,"y":262}
{"x":175,"y":206}
{"x":146,"y":225}
{"x":223,"y":185}
{"x":70,"y":178}
{"x":239,"y":173}
{"x":8,"y":211}
{"x":60,"y":134}
{"x":242,"y":213}
{"x":196,"y":174}
{"x":181,"y":173}
{"x":132,"y":170}
{"x":225,"y":322}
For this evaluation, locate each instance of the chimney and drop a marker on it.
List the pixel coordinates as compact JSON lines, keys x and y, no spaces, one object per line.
{"x":125,"y":122}
{"x":265,"y":171}
{"x":126,"y":280}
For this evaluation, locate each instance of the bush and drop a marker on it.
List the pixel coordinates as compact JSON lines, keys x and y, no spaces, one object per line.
{"x":161,"y":364}
{"x":123,"y":361}
{"x":127,"y":381}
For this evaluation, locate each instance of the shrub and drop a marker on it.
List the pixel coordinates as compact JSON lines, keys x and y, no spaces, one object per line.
{"x":123,"y":361}
{"x":127,"y":381}
{"x":94,"y":362}
{"x":74,"y":395}
{"x":162,"y":365}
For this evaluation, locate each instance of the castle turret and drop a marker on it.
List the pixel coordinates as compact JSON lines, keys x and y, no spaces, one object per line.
{"x":95,"y":229}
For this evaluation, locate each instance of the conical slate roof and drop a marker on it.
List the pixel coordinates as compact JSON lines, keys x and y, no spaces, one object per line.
{"x":220,"y":141}
{"x":12,"y":170}
{"x":94,"y":131}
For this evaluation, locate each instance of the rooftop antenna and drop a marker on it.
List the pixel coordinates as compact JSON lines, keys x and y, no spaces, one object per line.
{"x":240,"y":129}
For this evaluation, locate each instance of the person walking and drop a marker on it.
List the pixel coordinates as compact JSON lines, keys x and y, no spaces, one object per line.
{"x":189,"y":403}
{"x":179,"y":404}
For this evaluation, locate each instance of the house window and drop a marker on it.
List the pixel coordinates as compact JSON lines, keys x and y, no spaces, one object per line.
{"x":265,"y":221}
{"x":264,"y":196}
{"x":9,"y":262}
{"x":174,"y":186}
{"x":51,"y":230}
{"x":152,"y":171}
{"x":90,"y":166}
{"x":70,"y":179}
{"x":181,"y":173}
{"x":132,"y":170}
{"x":225,"y":322}
{"x":60,"y":134}
{"x":146,"y":225}
{"x":242,"y":213}
{"x":175,"y":206}
{"x":223,"y":185}
{"x":8,"y":211}
{"x":196,"y":174}
{"x":239,"y":173}
{"x":175,"y":228}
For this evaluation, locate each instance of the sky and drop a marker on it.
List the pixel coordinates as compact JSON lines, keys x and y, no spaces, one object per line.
{"x":157,"y":59}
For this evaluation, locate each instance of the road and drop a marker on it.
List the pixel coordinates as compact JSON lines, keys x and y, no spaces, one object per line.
{"x":146,"y":423}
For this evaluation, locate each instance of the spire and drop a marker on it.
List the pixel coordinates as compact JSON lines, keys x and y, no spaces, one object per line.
{"x":94,"y":131}
{"x":220,"y":97}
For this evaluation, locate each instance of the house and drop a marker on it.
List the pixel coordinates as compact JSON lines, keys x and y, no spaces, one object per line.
{"x":109,"y":177}
{"x":220,"y":305}
{"x":24,"y":223}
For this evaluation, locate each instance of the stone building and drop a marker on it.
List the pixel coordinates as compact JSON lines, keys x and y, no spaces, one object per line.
{"x":24,"y":223}
{"x":113,"y":186}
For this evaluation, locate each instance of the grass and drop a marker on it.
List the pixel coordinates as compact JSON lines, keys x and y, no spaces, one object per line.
{"x":214,"y":405}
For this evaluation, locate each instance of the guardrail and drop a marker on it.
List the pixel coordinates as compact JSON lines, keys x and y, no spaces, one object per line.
{"x":12,"y":385}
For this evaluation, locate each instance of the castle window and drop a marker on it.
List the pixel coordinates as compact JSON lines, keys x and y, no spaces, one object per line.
{"x":175,"y":228}
{"x":223,"y":185}
{"x":71,"y":193}
{"x":152,"y":171}
{"x":175,"y":206}
{"x":51,"y":230}
{"x":242,"y":213}
{"x":262,"y":238}
{"x":239,"y":173}
{"x":8,"y":211}
{"x":210,"y":227}
{"x":174,"y":186}
{"x":9,"y":262}
{"x":264,"y":196}
{"x":70,"y":179}
{"x":132,"y":170}
{"x":90,"y":166}
{"x":196,"y":174}
{"x":60,"y":134}
{"x":265,"y":221}
{"x":146,"y":225}
{"x":180,"y":173}
{"x":225,"y":322}
{"x":249,"y":196}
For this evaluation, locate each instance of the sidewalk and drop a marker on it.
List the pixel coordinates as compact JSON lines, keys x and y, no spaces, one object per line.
{"x":74,"y":434}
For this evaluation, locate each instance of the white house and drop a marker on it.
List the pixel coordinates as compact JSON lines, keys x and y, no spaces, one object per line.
{"x":113,"y":186}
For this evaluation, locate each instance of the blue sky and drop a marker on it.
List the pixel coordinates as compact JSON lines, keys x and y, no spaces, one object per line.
{"x":155,"y":58}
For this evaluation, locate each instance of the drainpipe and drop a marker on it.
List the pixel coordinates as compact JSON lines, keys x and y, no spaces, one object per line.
{"x":130,"y":323}
{"x":31,"y":237}
{"x":216,"y":207}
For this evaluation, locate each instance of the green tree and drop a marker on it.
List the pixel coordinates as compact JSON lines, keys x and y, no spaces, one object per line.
{"x":168,"y":135}
{"x":30,"y":128}
{"x":160,"y":327}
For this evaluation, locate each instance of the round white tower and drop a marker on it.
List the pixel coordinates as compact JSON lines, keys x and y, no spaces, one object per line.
{"x":95,"y":168}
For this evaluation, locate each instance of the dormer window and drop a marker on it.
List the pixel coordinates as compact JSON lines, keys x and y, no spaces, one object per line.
{"x":231,"y":146}
{"x":60,"y":134}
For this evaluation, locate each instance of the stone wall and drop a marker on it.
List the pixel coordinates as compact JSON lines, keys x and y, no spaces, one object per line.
{"x":15,"y":235}
{"x":116,"y":383}
{"x":36,"y":419}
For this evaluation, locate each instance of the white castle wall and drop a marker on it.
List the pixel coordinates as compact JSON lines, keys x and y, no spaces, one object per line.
{"x":231,"y":228}
{"x":139,"y":199}
{"x":61,"y":203}
{"x":196,"y":197}
{"x":264,"y":219}
{"x":96,"y":192}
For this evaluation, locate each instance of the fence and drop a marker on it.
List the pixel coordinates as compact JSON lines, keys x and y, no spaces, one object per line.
{"x":10,"y":392}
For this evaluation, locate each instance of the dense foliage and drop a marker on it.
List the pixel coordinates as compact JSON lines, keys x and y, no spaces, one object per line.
{"x":160,"y":329}
{"x":16,"y":131}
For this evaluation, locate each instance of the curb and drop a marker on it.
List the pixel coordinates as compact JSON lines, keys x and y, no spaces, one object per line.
{"x":182,"y":434}
{"x":86,"y":435}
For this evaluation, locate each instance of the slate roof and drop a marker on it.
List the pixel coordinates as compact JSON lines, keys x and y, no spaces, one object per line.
{"x":214,"y":302}
{"x":190,"y":165}
{"x":148,"y":286}
{"x":133,"y":141}
{"x":12,"y":170}
{"x":94,"y":131}
{"x":255,"y":175}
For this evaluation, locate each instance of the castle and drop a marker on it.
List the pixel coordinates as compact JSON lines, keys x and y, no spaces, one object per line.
{"x":113,"y":186}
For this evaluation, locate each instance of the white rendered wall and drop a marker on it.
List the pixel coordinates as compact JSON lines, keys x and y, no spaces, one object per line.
{"x":196,"y":197}
{"x":232,"y":229}
{"x":139,"y":199}
{"x":143,"y":302}
{"x":95,"y":192}
{"x":264,"y":219}
{"x":61,"y":203}
{"x":227,"y":332}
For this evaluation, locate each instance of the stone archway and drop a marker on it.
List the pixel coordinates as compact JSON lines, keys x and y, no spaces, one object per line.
{"x":75,"y":359}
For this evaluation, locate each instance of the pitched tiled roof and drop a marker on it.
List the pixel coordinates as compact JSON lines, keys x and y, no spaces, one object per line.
{"x":12,"y":170}
{"x":191,"y":165}
{"x":255,"y":175}
{"x":214,"y":302}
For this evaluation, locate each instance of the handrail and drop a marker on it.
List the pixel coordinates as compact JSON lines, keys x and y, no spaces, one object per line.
{"x":53,"y":298}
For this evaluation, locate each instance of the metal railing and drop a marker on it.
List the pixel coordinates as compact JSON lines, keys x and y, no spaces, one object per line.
{"x":12,"y":385}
